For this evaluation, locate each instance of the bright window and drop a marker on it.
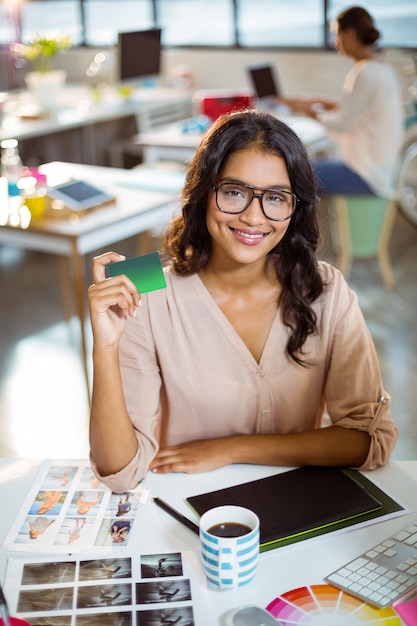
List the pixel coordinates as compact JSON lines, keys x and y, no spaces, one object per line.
{"x":196,"y":22}
{"x":103,"y":22}
{"x":280,"y":23}
{"x":397,"y":21}
{"x":248,"y":23}
{"x":52,"y":18}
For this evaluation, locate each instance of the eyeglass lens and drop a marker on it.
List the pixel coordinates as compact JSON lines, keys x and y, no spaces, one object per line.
{"x":277,"y":204}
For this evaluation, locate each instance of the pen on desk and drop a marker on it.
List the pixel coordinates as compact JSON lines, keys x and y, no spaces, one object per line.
{"x":4,"y":611}
{"x":175,"y":514}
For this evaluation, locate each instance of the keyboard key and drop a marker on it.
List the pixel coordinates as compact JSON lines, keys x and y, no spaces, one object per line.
{"x":340,"y":580}
{"x":401,"y":536}
{"x":389,"y":553}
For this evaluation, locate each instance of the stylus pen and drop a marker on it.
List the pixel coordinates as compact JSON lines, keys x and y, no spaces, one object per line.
{"x":175,"y":514}
{"x":4,"y":611}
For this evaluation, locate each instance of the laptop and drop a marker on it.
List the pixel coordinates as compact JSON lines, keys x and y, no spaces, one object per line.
{"x":265,"y":83}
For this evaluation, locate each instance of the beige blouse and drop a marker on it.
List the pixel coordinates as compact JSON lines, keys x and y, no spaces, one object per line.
{"x":188,"y":375}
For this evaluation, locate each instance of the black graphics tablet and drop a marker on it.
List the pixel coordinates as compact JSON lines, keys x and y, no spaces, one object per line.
{"x":299,"y":503}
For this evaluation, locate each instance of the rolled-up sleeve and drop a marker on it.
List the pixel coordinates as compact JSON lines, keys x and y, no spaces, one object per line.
{"x":355,"y":395}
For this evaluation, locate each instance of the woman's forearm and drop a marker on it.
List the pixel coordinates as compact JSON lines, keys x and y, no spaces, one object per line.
{"x":113,"y":441}
{"x":333,"y":445}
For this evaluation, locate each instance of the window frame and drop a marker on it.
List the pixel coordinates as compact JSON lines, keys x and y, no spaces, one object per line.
{"x":234,"y":45}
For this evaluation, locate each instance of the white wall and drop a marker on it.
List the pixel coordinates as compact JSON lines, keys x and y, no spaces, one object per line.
{"x":311,"y":72}
{"x":321,"y":72}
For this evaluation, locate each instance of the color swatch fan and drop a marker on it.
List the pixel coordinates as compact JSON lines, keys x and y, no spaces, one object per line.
{"x":324,"y":605}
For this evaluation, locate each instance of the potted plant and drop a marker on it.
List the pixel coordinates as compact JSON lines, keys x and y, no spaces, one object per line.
{"x":44,"y":82}
{"x":41,"y":51}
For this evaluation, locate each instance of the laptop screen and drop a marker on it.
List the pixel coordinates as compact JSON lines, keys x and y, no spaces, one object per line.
{"x":264,"y":81}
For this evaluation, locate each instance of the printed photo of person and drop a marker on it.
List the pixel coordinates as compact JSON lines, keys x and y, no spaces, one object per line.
{"x":74,"y":530}
{"x":85,"y":503}
{"x":104,"y":595}
{"x":59,"y":477}
{"x":122,"y":505}
{"x":48,"y":600}
{"x":89,"y":481}
{"x":48,"y":573}
{"x":48,"y":502}
{"x":113,"y":532}
{"x":102,"y":569}
{"x":167,"y":591}
{"x":35,"y":528}
{"x":160,"y":565}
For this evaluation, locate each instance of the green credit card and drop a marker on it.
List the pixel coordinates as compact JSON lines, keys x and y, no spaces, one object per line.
{"x":144,"y":271}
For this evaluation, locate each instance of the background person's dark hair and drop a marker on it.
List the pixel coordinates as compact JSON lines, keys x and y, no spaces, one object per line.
{"x":187,"y":242}
{"x":362,"y":23}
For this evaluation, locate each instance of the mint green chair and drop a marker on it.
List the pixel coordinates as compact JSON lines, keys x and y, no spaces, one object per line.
{"x":361,"y":228}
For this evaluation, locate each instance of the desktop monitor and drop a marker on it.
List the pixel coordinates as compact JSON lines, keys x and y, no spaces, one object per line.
{"x":264,"y":81}
{"x":139,"y":54}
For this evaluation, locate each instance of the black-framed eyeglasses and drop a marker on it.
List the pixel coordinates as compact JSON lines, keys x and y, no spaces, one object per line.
{"x":276,"y":204}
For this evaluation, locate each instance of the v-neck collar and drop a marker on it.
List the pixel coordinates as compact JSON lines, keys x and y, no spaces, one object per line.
{"x":269,"y":350}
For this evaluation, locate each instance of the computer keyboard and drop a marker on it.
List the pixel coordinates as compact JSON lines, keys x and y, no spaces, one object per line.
{"x":384,"y":573}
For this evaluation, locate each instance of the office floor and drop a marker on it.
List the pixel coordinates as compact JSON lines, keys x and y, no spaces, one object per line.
{"x":43,"y":397}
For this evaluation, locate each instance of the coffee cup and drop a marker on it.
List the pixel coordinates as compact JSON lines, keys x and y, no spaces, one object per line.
{"x":229,"y":537}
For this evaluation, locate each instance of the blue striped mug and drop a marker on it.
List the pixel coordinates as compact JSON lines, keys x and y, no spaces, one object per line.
{"x":229,"y":537}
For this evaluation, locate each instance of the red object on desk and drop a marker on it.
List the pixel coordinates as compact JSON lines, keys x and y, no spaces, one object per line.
{"x":216,"y":102}
{"x":16,"y":621}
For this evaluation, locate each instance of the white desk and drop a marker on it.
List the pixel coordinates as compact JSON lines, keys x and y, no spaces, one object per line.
{"x":81,"y":129}
{"x":135,"y":211}
{"x":279,"y":570}
{"x":172,"y":142}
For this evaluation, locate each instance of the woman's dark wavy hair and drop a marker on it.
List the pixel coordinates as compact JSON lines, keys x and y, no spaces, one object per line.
{"x":362,"y":23}
{"x":187,"y":242}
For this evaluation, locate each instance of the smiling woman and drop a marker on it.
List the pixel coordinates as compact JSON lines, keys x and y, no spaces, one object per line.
{"x":235,"y":361}
{"x":238,"y":218}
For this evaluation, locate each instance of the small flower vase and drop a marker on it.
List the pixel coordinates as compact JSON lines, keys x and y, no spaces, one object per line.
{"x":45,"y":88}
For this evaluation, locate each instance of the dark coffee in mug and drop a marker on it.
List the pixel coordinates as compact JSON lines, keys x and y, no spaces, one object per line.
{"x":229,"y":529}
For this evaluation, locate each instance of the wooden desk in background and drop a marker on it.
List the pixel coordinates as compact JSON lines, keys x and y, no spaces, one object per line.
{"x":137,"y":209}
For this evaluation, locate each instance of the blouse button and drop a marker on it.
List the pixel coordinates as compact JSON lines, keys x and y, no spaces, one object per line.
{"x":259,"y":375}
{"x":265,"y":412}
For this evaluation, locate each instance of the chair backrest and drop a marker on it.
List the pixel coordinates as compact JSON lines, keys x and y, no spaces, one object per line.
{"x":361,"y":228}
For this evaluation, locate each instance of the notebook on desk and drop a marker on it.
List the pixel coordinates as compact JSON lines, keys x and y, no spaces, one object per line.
{"x":301,"y":503}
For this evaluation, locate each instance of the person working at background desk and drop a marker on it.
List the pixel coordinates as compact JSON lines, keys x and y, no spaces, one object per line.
{"x":368,"y":123}
{"x":236,"y":359}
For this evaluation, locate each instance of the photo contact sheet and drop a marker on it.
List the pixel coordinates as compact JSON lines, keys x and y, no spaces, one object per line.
{"x":144,"y":590}
{"x":68,"y":510}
